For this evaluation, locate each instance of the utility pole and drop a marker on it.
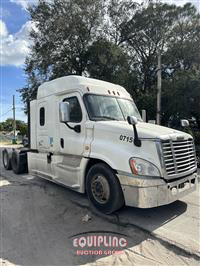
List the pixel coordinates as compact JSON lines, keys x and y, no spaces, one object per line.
{"x":14,"y":121}
{"x":29,"y":124}
{"x":159,"y":80}
{"x":159,"y":86}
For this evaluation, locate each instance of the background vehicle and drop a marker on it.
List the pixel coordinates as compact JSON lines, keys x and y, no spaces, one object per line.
{"x":88,"y":135}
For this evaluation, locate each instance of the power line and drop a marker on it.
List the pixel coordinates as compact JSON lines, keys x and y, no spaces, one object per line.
{"x":6,"y":112}
{"x":21,"y":108}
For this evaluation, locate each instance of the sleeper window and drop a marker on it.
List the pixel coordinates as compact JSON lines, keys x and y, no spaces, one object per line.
{"x":42,"y":116}
{"x":74,"y":109}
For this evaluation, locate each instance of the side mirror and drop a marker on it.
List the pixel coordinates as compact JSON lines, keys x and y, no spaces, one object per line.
{"x":185,"y":123}
{"x":144,"y":115}
{"x":132,"y":120}
{"x":64,"y":112}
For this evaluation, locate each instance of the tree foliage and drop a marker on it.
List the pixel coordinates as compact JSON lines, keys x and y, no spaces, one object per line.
{"x":118,"y":41}
{"x":7,"y":125}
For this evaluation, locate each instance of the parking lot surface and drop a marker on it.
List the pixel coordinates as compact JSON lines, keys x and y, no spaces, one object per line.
{"x":38,"y":219}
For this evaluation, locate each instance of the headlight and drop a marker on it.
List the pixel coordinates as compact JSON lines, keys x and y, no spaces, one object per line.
{"x":143,"y":167}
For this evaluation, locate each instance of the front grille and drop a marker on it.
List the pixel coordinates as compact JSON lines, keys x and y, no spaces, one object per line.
{"x":179,"y":156}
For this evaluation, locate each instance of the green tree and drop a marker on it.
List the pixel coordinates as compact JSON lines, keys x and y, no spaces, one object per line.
{"x":119,"y":13}
{"x":181,"y":95}
{"x":175,"y":32}
{"x":7,"y":125}
{"x":65,"y":30}
{"x":147,"y":31}
{"x":22,"y":127}
{"x":183,"y":48}
{"x":107,"y":61}
{"x":118,"y":41}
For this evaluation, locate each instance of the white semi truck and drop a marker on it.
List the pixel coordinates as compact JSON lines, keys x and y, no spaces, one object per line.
{"x":88,"y":135}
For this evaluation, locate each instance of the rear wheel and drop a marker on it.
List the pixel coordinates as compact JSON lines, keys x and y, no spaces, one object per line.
{"x":19,"y":162}
{"x":6,"y":160}
{"x":103,"y":189}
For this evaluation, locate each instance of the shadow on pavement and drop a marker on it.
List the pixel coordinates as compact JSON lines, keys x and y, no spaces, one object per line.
{"x":152,"y":218}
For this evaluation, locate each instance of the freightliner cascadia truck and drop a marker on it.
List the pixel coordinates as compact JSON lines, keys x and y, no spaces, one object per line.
{"x":88,"y":135}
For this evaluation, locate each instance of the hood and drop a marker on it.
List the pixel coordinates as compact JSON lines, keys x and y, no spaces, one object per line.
{"x":145,"y":130}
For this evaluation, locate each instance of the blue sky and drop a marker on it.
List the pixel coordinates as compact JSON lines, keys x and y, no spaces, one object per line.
{"x":14,"y":47}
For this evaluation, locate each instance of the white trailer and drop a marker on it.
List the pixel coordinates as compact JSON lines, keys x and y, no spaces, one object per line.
{"x":88,"y":135}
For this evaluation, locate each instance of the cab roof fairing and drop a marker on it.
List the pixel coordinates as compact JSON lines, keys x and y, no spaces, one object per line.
{"x":83,"y":84}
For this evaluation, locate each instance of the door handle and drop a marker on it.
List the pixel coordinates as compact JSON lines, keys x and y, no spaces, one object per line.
{"x":62,"y":143}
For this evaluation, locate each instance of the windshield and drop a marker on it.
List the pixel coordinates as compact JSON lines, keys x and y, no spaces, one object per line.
{"x":110,"y":108}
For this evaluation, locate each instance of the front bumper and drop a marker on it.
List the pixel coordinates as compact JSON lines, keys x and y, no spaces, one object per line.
{"x":147,"y":192}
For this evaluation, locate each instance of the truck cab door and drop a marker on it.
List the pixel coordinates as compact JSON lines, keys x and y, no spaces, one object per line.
{"x":71,"y":143}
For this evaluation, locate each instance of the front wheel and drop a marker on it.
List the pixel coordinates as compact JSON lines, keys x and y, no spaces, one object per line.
{"x":103,"y":189}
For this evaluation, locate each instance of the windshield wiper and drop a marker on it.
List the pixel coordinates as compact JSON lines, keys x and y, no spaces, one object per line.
{"x":106,"y":117}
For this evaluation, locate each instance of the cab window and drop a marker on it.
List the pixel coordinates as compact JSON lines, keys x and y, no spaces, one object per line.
{"x":75,"y":109}
{"x":42,"y":116}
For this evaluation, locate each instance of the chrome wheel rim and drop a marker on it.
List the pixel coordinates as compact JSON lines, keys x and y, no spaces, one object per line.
{"x":100,"y":189}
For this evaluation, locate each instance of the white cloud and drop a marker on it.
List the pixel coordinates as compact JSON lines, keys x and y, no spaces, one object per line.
{"x":3,"y":29}
{"x":24,"y":3}
{"x":14,"y":47}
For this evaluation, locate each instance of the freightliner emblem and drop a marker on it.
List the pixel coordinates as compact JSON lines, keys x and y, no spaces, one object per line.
{"x":180,"y":138}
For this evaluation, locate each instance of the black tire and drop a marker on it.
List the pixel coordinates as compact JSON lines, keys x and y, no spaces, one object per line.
{"x":19,"y":162}
{"x":103,"y":189}
{"x":6,"y":160}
